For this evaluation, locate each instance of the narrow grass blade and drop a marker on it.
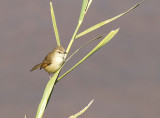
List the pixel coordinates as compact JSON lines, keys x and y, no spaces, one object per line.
{"x":89,"y":3}
{"x":101,"y":44}
{"x":83,"y":10}
{"x":105,"y":22}
{"x":82,"y":111}
{"x":82,"y":47}
{"x":54,"y":24}
{"x":81,"y":17}
{"x":46,"y":95}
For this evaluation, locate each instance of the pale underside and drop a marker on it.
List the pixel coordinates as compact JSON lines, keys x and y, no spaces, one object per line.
{"x":55,"y":65}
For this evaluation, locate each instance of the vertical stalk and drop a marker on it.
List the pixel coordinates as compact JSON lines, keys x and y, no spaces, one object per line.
{"x":73,"y":37}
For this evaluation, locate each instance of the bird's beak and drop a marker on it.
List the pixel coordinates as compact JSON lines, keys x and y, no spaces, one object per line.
{"x":65,"y":52}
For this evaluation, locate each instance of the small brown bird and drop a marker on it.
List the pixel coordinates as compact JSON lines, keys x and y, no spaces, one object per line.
{"x":53,"y":61}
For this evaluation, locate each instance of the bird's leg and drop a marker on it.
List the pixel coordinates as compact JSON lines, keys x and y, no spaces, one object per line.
{"x":49,"y":75}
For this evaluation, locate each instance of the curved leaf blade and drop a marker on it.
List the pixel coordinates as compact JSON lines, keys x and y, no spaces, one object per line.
{"x":83,"y":10}
{"x":100,"y":45}
{"x":54,"y":24}
{"x":46,"y":95}
{"x":105,"y":22}
{"x":82,"y":111}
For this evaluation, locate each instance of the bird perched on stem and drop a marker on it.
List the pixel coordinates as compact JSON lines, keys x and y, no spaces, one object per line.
{"x":53,"y":61}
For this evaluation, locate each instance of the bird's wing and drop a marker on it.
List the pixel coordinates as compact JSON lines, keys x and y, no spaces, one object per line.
{"x":47,"y":60}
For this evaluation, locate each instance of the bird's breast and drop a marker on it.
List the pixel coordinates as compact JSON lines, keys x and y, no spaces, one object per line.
{"x":55,"y":65}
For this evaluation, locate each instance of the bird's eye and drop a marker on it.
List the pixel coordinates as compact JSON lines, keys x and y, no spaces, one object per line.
{"x":59,"y":52}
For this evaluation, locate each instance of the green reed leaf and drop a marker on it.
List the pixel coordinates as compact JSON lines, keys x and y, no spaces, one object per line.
{"x":82,"y":111}
{"x":101,"y":44}
{"x":54,"y":24}
{"x":106,"y":22}
{"x":46,"y":95}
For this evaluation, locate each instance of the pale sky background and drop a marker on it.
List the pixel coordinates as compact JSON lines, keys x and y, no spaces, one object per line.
{"x":123,"y":77}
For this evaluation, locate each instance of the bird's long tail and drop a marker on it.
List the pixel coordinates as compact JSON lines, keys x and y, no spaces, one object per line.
{"x":35,"y":67}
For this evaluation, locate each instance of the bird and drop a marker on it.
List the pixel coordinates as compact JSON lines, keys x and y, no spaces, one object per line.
{"x":53,"y":61}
